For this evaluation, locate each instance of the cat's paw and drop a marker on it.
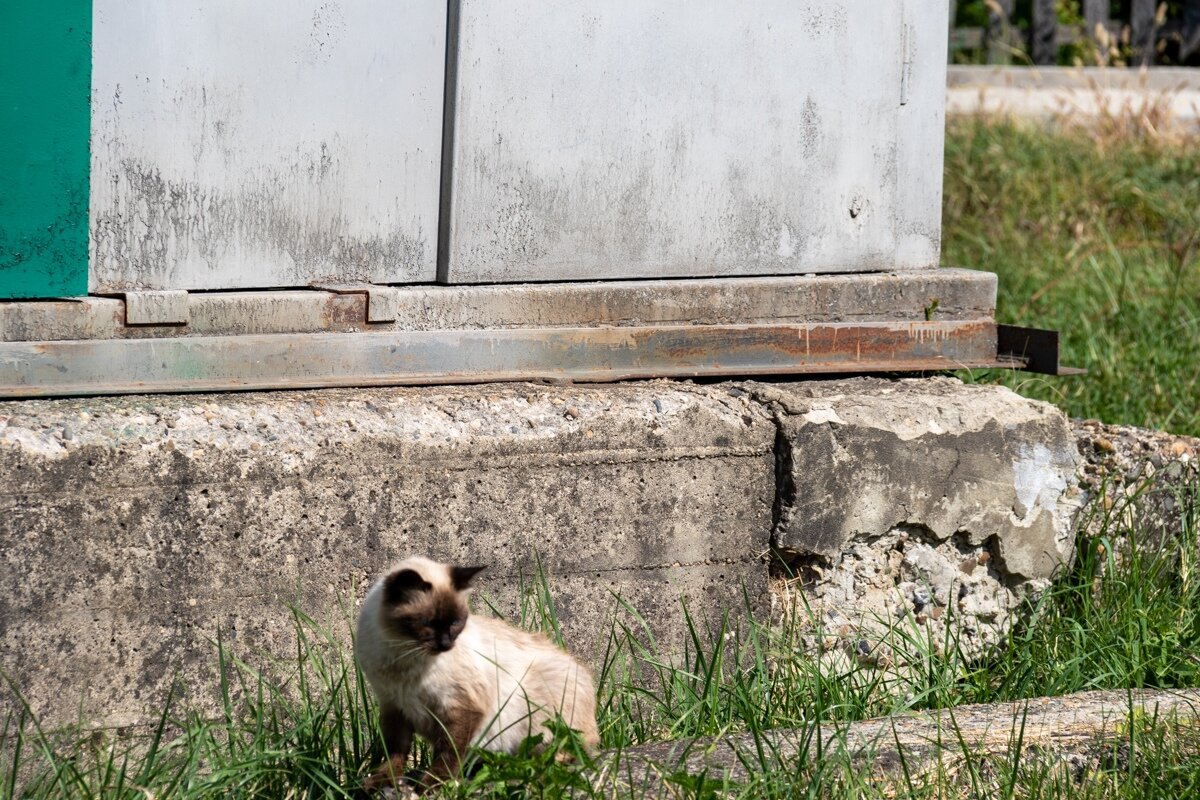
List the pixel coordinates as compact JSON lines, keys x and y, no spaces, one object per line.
{"x":389,"y":781}
{"x":401,"y":791}
{"x":387,"y":789}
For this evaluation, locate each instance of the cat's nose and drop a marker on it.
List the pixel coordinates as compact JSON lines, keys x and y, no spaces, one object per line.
{"x":444,"y":643}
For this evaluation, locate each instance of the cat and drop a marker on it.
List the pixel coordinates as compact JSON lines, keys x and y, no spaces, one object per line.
{"x":457,"y":679}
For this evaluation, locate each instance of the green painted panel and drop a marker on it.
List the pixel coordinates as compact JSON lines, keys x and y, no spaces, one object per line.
{"x":45,"y":89}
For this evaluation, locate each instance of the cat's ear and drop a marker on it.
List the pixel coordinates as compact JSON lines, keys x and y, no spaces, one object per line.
{"x":400,"y":586}
{"x":460,"y":577}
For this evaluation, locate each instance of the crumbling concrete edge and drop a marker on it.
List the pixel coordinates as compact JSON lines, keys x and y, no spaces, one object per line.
{"x":782,"y":407}
{"x":916,"y":505}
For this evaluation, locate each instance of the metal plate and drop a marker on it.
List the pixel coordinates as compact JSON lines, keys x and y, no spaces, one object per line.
{"x":261,"y":144}
{"x":45,"y":64}
{"x":1035,"y":349}
{"x":666,"y":138}
{"x":129,"y":366}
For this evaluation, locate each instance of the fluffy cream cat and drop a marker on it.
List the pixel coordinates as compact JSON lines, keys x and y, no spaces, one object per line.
{"x":459,"y":680}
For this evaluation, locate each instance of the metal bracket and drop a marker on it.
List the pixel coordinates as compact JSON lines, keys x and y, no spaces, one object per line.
{"x":1035,"y":350}
{"x":382,"y":301}
{"x":167,"y":307}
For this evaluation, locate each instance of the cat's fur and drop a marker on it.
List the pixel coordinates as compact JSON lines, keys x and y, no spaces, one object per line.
{"x":456,"y":679}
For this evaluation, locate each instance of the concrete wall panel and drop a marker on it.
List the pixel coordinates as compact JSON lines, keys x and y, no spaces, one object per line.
{"x":133,"y":531}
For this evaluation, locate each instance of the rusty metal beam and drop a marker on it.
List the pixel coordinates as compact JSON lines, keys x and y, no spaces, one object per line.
{"x":281,"y":361}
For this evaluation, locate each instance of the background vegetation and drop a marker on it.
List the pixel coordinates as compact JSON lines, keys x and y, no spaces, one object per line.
{"x":1097,"y":235}
{"x":1085,"y":51}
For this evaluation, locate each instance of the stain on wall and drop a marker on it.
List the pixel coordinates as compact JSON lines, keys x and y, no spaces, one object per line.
{"x":45,"y":73}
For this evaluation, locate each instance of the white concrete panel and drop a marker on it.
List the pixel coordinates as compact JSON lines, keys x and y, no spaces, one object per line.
{"x":604,"y":139}
{"x":260,"y":143}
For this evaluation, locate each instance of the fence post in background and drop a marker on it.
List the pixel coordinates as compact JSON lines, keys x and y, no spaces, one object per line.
{"x":996,"y":39}
{"x":953,"y":23}
{"x":1142,"y":27}
{"x":1096,"y":14}
{"x":1191,"y":29}
{"x":1043,"y":44}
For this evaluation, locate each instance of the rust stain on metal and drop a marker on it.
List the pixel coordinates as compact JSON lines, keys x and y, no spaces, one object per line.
{"x":270,"y":361}
{"x":939,"y":344}
{"x":346,"y":311}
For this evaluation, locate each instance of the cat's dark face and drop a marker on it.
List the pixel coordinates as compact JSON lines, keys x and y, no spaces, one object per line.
{"x":431,"y":616}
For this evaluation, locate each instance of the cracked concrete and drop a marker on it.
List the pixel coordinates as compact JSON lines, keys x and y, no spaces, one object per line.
{"x":919,"y":503}
{"x":135,"y":530}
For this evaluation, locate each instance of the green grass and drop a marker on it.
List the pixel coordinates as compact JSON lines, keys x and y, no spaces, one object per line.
{"x":1097,"y":236}
{"x":305,"y":727}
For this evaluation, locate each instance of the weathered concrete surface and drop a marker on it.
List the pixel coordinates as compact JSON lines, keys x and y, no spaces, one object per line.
{"x":133,"y":529}
{"x":924,"y":497}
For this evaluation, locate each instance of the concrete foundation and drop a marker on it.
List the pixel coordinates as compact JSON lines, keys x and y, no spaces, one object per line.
{"x":133,"y":530}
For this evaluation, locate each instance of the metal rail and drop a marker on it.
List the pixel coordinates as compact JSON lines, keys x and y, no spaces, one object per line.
{"x":595,"y":354}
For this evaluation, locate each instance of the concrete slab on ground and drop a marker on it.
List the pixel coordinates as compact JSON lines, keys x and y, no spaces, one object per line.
{"x":1164,"y":95}
{"x":1079,"y":731}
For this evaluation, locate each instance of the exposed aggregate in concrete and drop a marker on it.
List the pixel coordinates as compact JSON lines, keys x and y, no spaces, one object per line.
{"x":917,"y":504}
{"x":1146,"y":478}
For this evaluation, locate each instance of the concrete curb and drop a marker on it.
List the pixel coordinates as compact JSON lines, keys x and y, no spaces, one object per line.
{"x":1156,"y":79}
